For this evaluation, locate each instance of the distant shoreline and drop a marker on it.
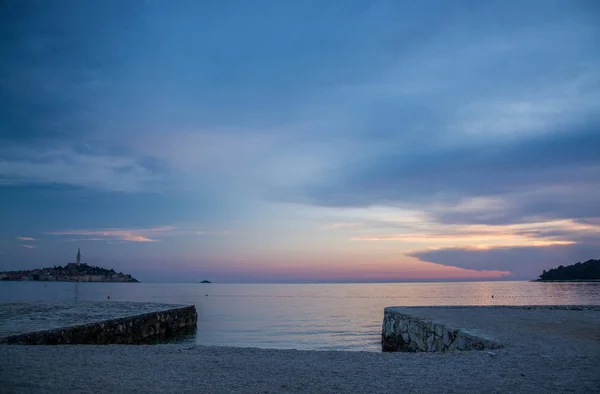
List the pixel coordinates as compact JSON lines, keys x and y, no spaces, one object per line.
{"x":72,"y":272}
{"x":566,"y":280}
{"x":71,"y":281}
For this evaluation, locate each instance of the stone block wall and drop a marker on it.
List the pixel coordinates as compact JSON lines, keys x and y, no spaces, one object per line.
{"x":405,"y":333}
{"x":144,"y":328}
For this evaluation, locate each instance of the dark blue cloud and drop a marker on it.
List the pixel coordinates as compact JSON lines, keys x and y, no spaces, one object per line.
{"x":522,"y":262}
{"x":422,"y":175}
{"x":52,"y":53}
{"x":576,"y":202}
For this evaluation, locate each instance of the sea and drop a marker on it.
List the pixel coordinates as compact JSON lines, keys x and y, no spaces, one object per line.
{"x":303,"y":316}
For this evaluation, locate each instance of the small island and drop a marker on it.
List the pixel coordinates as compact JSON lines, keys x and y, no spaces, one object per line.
{"x":72,"y":272}
{"x":587,"y":271}
{"x":206,"y":281}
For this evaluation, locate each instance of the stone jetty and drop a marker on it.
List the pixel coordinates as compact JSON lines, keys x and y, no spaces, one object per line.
{"x":93,"y":322}
{"x":442,"y":329}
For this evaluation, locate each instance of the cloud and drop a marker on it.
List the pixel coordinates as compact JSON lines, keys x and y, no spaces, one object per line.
{"x":523,"y":262}
{"x":25,"y":239}
{"x":342,"y":225}
{"x":118,"y":234}
{"x":479,"y":241}
{"x":524,"y":248}
{"x":136,"y":235}
{"x":28,"y":246}
{"x":208,"y":150}
{"x":546,"y":110}
{"x":96,"y":170}
{"x":482,"y":236}
{"x":549,"y":176}
{"x":552,"y":202}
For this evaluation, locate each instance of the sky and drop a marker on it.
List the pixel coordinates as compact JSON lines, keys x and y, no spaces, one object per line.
{"x":277,"y":141}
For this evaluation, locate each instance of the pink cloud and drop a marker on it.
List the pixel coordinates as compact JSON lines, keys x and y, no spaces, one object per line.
{"x":342,"y":225}
{"x":151,"y":234}
{"x":117,"y":234}
{"x":25,"y":239}
{"x":539,"y":234}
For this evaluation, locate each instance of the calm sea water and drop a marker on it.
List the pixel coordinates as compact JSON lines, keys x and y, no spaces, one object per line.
{"x":303,"y":316}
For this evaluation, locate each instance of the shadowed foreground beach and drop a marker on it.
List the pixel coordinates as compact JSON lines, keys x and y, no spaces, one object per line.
{"x":546,"y":349}
{"x":178,"y":369}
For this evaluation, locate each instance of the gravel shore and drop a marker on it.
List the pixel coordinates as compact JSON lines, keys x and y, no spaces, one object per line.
{"x":196,"y":369}
{"x":547,"y":350}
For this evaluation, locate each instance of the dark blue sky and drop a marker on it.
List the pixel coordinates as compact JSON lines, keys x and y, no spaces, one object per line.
{"x":291,"y":141}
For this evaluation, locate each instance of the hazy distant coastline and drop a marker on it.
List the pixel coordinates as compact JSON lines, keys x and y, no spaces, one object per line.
{"x":567,"y":280}
{"x":588,"y":271}
{"x":70,"y":273}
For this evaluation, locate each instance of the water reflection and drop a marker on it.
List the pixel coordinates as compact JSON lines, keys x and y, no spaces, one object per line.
{"x":76,"y":292}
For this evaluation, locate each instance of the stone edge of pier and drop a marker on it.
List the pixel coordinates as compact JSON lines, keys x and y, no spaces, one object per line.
{"x":136,"y":329}
{"x":409,"y":332}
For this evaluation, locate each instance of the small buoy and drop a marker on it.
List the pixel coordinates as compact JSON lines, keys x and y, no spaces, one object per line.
{"x":206,"y":295}
{"x":108,"y":297}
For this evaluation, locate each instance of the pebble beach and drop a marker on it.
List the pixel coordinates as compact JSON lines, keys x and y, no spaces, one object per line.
{"x":546,"y":350}
{"x":197,"y":369}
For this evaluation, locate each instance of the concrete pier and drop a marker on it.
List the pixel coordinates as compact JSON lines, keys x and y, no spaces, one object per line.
{"x":93,"y":322}
{"x":442,"y":329}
